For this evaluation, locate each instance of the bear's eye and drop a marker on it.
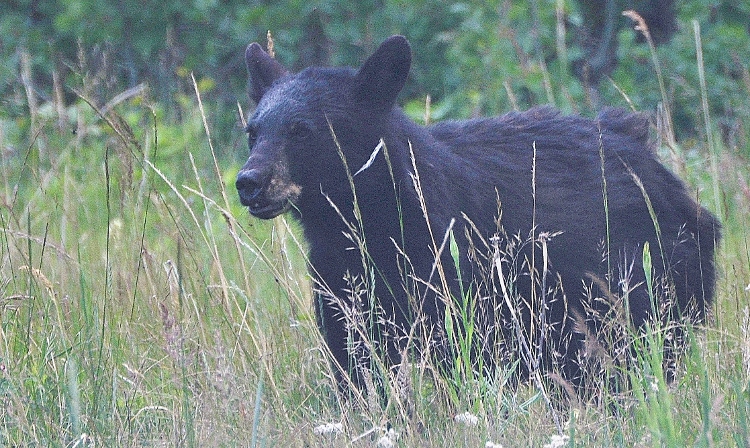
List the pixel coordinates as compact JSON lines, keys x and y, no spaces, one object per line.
{"x":252,"y":134}
{"x":300,"y":130}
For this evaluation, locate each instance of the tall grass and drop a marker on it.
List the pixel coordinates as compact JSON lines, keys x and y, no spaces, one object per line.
{"x":141,"y":306}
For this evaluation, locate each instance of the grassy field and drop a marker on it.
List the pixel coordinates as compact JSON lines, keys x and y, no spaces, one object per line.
{"x":141,"y":306}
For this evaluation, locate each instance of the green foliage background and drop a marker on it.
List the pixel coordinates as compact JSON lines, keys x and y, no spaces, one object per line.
{"x":468,"y":55}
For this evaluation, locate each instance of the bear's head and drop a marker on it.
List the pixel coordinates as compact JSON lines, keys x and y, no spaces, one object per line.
{"x":306,"y":125}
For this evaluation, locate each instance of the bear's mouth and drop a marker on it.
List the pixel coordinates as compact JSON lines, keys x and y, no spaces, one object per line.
{"x":266,"y":199}
{"x":269,"y":210}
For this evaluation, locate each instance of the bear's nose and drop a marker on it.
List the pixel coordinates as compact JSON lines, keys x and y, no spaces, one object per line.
{"x":249,"y":186}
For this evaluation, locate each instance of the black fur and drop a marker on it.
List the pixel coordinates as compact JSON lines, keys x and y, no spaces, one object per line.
{"x":512,"y":183}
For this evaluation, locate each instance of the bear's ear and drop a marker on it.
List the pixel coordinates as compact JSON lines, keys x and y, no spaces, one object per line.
{"x":263,"y":70}
{"x":383,"y":74}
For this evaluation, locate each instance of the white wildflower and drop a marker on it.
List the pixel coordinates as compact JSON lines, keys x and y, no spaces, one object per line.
{"x":557,"y":441}
{"x":490,"y":444}
{"x":84,"y":440}
{"x":388,"y":440}
{"x":385,"y":442}
{"x":467,"y":419}
{"x":329,"y":428}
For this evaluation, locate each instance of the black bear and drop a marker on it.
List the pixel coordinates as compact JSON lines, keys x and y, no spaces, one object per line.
{"x":512,"y":233}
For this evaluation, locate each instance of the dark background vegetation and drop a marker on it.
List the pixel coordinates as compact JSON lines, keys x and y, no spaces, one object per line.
{"x":471,"y":57}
